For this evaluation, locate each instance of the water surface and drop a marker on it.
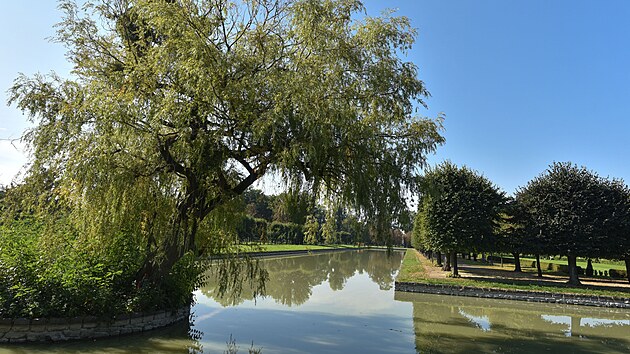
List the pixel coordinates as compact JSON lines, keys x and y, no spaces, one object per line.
{"x":344,"y":302}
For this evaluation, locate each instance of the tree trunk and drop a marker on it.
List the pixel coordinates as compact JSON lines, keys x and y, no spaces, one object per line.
{"x":573,"y":274}
{"x":627,"y":259}
{"x":589,"y":268}
{"x":438,"y":258}
{"x":574,"y":331}
{"x":474,"y":256}
{"x":517,"y":262}
{"x":538,"y":266}
{"x":454,"y":264}
{"x":447,"y":262}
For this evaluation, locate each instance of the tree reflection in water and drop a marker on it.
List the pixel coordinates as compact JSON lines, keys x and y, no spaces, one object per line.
{"x":291,"y":279}
{"x":450,"y":324}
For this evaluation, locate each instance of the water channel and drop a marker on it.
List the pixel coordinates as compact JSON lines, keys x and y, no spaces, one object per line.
{"x":344,"y":302}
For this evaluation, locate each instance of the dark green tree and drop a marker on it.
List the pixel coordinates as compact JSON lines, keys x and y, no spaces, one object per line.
{"x":616,"y":224}
{"x":175,"y":108}
{"x":459,"y":212}
{"x":513,"y":234}
{"x":258,"y":204}
{"x":566,"y":208}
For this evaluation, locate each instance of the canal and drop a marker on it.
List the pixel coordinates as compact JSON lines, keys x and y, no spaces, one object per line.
{"x":344,"y":302}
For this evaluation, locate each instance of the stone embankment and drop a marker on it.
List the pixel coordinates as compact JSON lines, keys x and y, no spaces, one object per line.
{"x":530,"y":296}
{"x":20,"y":330}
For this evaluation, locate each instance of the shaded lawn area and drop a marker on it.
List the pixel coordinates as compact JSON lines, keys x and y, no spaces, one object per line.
{"x":418,"y":269}
{"x":596,"y":265}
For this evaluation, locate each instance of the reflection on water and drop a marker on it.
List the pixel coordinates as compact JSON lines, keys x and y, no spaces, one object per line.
{"x":449,"y":324}
{"x":291,"y":279}
{"x":324,"y":303}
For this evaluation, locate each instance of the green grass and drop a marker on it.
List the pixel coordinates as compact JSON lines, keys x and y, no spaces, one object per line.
{"x":596,"y":266}
{"x":412,"y":270}
{"x":280,"y":248}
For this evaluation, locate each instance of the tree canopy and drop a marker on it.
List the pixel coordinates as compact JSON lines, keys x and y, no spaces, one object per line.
{"x":574,"y":211}
{"x":458,"y":211}
{"x":176,"y":107}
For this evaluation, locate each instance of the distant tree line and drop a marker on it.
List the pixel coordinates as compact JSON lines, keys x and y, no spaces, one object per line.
{"x":567,"y":210}
{"x":293,"y":217}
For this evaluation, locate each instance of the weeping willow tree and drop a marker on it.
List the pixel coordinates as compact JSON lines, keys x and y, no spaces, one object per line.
{"x":175,"y":107}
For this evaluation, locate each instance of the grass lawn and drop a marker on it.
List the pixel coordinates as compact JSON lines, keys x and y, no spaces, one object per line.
{"x":596,"y":266}
{"x":417,"y":269}
{"x":279,"y":248}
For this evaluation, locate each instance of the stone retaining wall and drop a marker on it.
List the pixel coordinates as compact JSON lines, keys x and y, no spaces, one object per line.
{"x":584,"y":300}
{"x":20,"y":330}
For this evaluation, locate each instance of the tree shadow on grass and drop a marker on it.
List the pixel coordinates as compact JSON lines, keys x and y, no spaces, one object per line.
{"x":529,"y":281}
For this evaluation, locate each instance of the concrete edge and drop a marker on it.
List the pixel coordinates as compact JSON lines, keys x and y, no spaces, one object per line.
{"x":529,"y":296}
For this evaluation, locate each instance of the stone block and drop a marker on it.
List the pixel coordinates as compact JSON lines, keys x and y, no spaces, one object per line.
{"x":75,"y":323}
{"x":38,"y":325}
{"x":57,"y":324}
{"x":87,"y":333}
{"x":89,"y":325}
{"x":36,"y":336}
{"x":101,"y":334}
{"x":20,"y":328}
{"x":120,"y":322}
{"x":72,"y":334}
{"x":126,"y":330}
{"x":57,"y":336}
{"x":137,"y":320}
{"x":15,"y":335}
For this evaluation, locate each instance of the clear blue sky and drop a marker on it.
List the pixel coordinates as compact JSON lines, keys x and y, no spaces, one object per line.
{"x":522,"y":83}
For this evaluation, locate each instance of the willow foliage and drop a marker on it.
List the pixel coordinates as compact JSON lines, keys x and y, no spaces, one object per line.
{"x":175,"y":107}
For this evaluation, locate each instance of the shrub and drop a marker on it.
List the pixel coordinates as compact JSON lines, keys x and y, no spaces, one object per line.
{"x":60,"y":275}
{"x":251,"y":229}
{"x":618,"y":273}
{"x":285,"y":233}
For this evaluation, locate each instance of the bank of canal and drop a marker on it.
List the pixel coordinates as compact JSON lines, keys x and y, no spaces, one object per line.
{"x":418,"y":275}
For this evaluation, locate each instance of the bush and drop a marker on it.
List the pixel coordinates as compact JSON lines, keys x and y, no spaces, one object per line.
{"x":285,"y":233}
{"x":345,"y":237}
{"x":618,"y":274}
{"x":252,"y":229}
{"x":553,"y":267}
{"x":60,"y":275}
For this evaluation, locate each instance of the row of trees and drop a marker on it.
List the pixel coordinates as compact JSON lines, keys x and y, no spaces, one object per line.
{"x":294,"y":217}
{"x":567,"y":210}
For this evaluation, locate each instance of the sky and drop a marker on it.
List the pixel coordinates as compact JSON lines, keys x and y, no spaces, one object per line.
{"x":522,"y":83}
